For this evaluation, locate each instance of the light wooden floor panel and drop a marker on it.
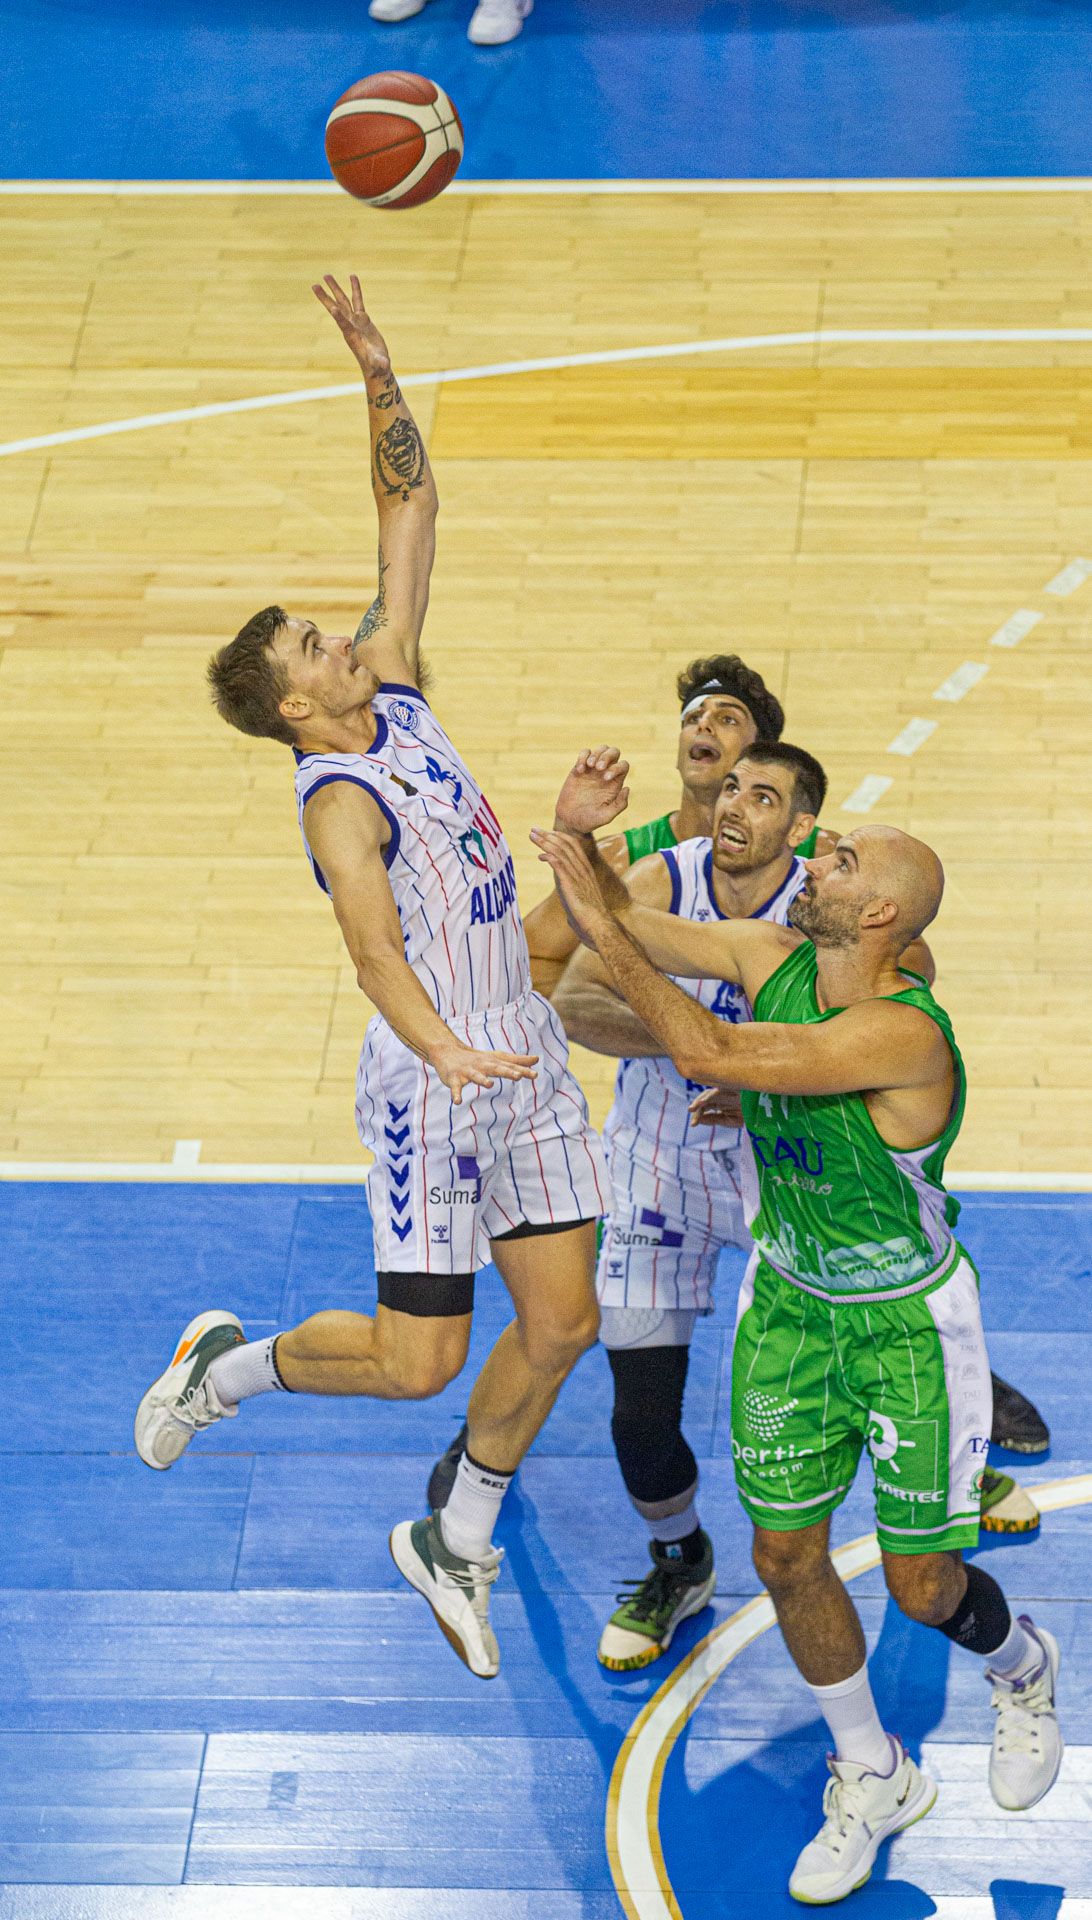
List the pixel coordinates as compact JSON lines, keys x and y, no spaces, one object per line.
{"x":856,"y":519}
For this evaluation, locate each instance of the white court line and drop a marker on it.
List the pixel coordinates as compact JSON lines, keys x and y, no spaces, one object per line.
{"x":187,"y":1153}
{"x":864,"y":797}
{"x":1014,"y":629}
{"x":637,"y":1864}
{"x":961,"y":681}
{"x":1070,"y":578}
{"x":307,"y":1173}
{"x":1076,"y":183}
{"x":610,"y":356}
{"x":914,"y":735}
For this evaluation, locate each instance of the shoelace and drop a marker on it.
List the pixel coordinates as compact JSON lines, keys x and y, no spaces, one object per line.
{"x":643,"y":1598}
{"x":839,"y":1797}
{"x":1018,"y":1726}
{"x":195,"y":1408}
{"x":480,"y":1574}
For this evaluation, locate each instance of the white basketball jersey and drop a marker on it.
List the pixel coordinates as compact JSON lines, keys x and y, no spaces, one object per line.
{"x":448,"y":862}
{"x":649,"y":1121}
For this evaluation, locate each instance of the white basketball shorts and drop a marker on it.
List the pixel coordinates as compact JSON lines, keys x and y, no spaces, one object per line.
{"x":663,"y":1239}
{"x":449,"y":1179}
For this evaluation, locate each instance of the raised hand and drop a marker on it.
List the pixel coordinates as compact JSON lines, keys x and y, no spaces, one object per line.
{"x":359,"y":330}
{"x":579,"y":880}
{"x":594,"y":793}
{"x":716,"y":1107}
{"x":460,"y":1066}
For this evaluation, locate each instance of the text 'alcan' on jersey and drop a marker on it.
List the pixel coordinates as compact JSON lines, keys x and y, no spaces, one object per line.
{"x":448,"y":863}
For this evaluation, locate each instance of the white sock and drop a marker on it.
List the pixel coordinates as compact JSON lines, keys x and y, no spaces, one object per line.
{"x":1018,"y":1655}
{"x":244,"y":1371}
{"x":850,"y":1712}
{"x":470,"y":1515}
{"x":675,"y":1526}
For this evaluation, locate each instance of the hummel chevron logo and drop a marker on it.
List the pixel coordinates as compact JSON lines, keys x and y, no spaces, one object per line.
{"x":400,"y":1228}
{"x":397,"y":1113}
{"x":400,"y":1201}
{"x":397,"y":1138}
{"x":400,"y":1175}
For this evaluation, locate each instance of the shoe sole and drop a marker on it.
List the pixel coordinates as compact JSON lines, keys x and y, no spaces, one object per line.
{"x":898,"y":1824}
{"x":700,"y":1599}
{"x":990,"y":1524}
{"x":1022,"y":1446}
{"x":192,"y":1334}
{"x":410,"y":1569}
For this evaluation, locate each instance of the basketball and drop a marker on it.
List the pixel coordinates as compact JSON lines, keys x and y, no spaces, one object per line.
{"x":394,"y":140}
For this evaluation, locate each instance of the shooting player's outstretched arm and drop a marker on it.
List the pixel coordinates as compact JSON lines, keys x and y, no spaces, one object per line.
{"x":347,"y":834}
{"x":389,"y":635}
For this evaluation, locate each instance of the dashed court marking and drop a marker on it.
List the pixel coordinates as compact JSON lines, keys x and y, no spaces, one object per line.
{"x":636,"y":1857}
{"x":1014,"y":629}
{"x":610,"y":356}
{"x":1069,"y":579}
{"x":864,"y":797}
{"x":961,"y":681}
{"x":914,"y":735}
{"x":187,"y":1153}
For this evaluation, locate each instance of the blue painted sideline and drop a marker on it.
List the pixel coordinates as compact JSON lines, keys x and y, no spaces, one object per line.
{"x":594,"y":89}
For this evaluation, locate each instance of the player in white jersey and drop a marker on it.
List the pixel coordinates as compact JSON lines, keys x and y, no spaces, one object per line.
{"x":480,"y":1134}
{"x":677,"y":1185}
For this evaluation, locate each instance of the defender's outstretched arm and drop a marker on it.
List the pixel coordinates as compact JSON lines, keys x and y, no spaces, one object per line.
{"x":389,"y":635}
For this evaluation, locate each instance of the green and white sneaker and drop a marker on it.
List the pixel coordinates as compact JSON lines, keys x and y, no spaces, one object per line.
{"x":1006,"y":1508}
{"x":183,"y":1401}
{"x":457,"y":1590}
{"x":643,"y":1626}
{"x":861,"y":1810}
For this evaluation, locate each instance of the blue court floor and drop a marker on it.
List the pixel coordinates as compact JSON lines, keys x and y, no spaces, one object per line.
{"x":214,"y":1678}
{"x":629,"y":89}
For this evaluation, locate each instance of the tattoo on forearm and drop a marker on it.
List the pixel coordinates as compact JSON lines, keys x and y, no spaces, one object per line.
{"x":400,"y":461}
{"x":376,"y":615}
{"x":389,"y":395}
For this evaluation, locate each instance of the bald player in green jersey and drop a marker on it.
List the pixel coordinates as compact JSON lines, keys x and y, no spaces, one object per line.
{"x":859,"y":1322}
{"x":725,"y":707}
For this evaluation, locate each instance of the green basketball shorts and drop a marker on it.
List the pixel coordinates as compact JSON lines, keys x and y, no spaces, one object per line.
{"x":813,"y":1384}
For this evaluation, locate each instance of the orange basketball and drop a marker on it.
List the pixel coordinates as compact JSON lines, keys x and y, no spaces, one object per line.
{"x":394,"y":140}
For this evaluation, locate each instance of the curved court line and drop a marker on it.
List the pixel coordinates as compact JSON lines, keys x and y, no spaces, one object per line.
{"x":1037,"y":183}
{"x":610,"y":356}
{"x":637,"y":1864}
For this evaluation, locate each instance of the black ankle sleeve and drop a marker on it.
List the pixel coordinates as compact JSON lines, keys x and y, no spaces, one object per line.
{"x":982,"y":1618}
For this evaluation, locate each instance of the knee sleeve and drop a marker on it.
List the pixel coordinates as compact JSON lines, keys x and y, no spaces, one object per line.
{"x":658,"y":1467}
{"x":646,"y":1326}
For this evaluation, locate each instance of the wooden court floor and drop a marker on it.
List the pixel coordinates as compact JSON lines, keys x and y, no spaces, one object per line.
{"x":856,"y":519}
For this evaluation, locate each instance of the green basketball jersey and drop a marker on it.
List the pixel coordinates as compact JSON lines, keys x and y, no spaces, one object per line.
{"x":656,"y":835}
{"x":839,"y":1212}
{"x":653,"y":837}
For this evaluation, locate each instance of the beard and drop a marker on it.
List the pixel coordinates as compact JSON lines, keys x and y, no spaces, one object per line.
{"x":824,"y":923}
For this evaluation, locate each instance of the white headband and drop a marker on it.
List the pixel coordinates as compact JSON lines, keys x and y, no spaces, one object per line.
{"x":709,"y":693}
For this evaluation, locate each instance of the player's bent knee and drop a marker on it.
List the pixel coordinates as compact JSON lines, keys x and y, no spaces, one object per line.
{"x":926,"y":1587}
{"x":786,"y":1559}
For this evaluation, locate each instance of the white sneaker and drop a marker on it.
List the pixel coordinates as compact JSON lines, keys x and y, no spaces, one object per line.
{"x":183,"y":1400}
{"x":497,"y":21}
{"x":457,"y":1590}
{"x":862,"y":1810}
{"x":392,"y":11}
{"x":1027,"y":1740}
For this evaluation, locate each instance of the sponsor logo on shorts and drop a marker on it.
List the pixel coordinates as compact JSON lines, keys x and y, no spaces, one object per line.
{"x":467,"y":1193}
{"x":764,"y":1415}
{"x":786,"y":1459}
{"x":652,"y":1230}
{"x":915,"y":1495}
{"x":884,"y":1442}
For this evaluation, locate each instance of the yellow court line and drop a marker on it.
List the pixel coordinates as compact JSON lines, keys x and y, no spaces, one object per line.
{"x":637,"y":1864}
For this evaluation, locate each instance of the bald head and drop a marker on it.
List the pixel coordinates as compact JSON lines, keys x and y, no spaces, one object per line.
{"x":878,"y":883}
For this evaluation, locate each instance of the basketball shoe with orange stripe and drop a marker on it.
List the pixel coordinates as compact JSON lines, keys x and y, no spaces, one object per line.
{"x":183,"y":1400}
